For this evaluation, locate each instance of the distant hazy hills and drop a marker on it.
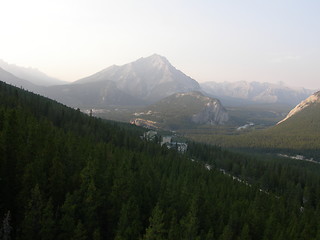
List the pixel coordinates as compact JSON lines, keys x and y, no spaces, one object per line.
{"x":92,"y":95}
{"x":18,"y":82}
{"x":30,"y":74}
{"x":233,"y":93}
{"x":146,"y":81}
{"x":182,"y":110}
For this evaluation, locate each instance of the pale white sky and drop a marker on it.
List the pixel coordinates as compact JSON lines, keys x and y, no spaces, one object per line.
{"x":209,"y":40}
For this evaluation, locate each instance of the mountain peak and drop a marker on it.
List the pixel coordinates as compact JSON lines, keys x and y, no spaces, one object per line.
{"x":157,"y":56}
{"x":154,"y":60}
{"x":150,"y":79}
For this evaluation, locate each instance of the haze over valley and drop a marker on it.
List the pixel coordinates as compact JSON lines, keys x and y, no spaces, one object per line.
{"x":153,"y":120}
{"x":120,"y":92}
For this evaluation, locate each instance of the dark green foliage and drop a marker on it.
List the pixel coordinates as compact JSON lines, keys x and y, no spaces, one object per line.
{"x":65,"y":175}
{"x":32,"y":224}
{"x":156,"y":229}
{"x":80,"y":232}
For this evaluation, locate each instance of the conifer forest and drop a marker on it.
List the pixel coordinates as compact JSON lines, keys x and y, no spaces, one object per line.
{"x":67,"y":175}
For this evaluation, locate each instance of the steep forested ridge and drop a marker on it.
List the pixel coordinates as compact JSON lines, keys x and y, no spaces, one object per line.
{"x":298,"y":134}
{"x":65,"y":175}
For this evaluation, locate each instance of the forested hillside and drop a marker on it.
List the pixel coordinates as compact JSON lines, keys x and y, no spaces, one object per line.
{"x":297,"y":135}
{"x":66,"y":175}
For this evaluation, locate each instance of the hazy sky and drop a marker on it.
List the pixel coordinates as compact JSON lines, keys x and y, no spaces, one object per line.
{"x":209,"y":40}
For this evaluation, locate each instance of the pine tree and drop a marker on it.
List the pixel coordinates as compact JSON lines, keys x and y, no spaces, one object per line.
{"x":91,"y":198}
{"x":156,"y":230}
{"x":227,"y":233}
{"x":210,"y":235}
{"x":96,"y":234}
{"x":47,"y":231}
{"x":67,"y":222}
{"x":129,"y":225}
{"x":80,"y":232}
{"x":190,"y":222}
{"x":174,"y":229}
{"x":245,"y":234}
{"x":31,"y":224}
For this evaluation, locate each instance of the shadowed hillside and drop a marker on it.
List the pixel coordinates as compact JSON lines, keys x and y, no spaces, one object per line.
{"x":66,"y":175}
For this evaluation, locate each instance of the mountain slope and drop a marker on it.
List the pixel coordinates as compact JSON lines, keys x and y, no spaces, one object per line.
{"x":183,"y":109}
{"x":30,"y":74}
{"x":309,"y":102}
{"x":91,"y":95}
{"x":18,"y":82}
{"x":300,"y":130}
{"x":245,"y":92}
{"x":149,"y":79}
{"x":299,"y":133}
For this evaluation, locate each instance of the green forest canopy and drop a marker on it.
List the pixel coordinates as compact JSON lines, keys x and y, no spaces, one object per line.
{"x":65,"y":175}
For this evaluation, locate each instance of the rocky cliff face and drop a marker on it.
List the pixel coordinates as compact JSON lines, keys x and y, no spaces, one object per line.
{"x":314,"y":98}
{"x":185,"y":109}
{"x":213,"y":113}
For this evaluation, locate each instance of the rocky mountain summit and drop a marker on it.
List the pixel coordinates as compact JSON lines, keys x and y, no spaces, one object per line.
{"x":138,"y":83}
{"x":149,"y":79}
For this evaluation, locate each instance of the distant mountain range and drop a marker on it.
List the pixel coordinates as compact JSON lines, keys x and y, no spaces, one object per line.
{"x":146,"y":81}
{"x":242,"y":92}
{"x":149,"y":81}
{"x":30,"y":74}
